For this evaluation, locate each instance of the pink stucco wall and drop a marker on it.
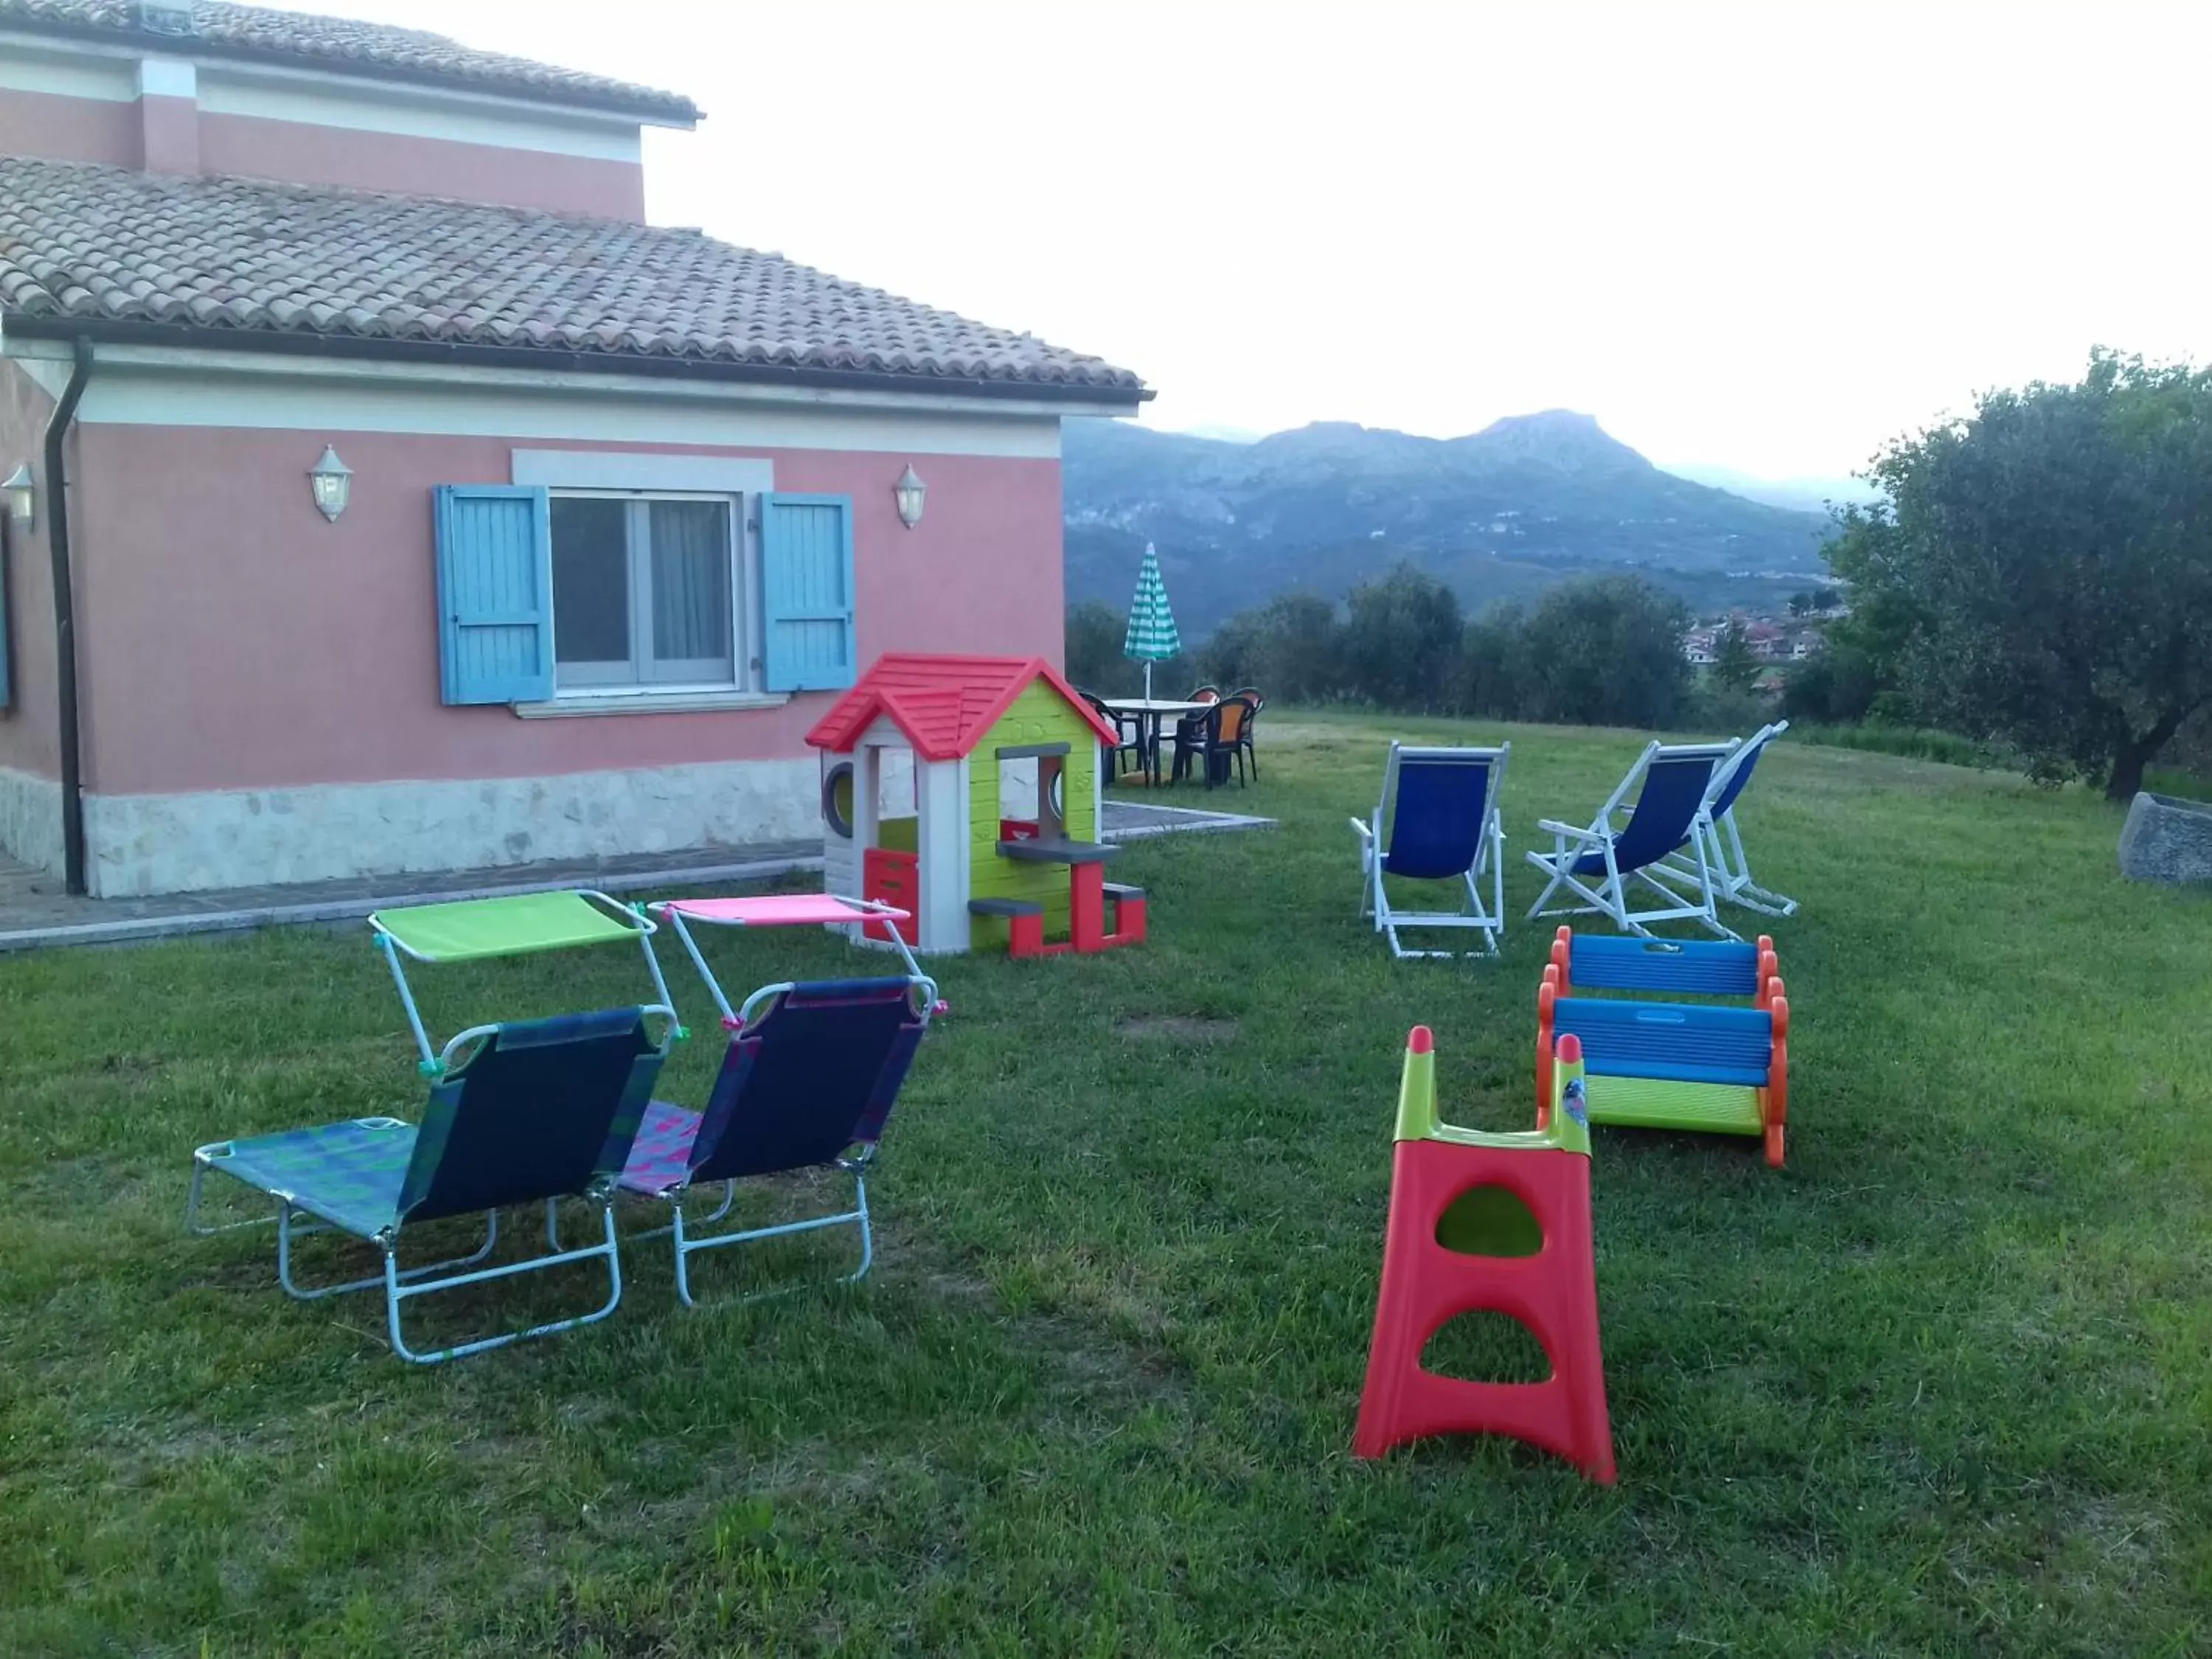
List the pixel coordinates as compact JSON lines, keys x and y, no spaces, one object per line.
{"x":54,"y":128}
{"x":174,"y":134}
{"x":304,"y":154}
{"x":231,"y":639}
{"x":169,"y":135}
{"x":28,"y":740}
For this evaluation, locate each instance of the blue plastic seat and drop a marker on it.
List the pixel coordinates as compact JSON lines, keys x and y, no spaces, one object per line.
{"x":1670,"y":1042}
{"x":1692,"y":967}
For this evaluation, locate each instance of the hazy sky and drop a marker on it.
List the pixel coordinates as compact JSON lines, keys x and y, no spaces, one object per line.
{"x":1765,"y":236}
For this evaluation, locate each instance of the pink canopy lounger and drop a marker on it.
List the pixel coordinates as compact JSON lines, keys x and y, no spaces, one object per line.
{"x":778,"y":910}
{"x":807,"y":1081}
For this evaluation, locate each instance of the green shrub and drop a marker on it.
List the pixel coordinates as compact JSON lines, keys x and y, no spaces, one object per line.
{"x":1912,"y":742}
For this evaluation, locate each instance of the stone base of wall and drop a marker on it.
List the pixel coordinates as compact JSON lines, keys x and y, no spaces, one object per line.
{"x":140,"y":845}
{"x":31,"y":819}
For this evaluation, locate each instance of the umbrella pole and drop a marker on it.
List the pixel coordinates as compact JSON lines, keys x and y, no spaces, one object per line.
{"x":1148,"y":679}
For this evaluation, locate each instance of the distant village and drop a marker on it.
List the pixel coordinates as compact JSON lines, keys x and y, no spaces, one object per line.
{"x":1773,"y":642}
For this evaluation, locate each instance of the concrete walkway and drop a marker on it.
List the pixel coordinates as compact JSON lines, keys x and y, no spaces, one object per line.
{"x":1133,"y":820}
{"x":34,"y":911}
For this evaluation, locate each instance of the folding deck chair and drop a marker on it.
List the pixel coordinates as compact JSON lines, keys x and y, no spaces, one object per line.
{"x":519,"y":1112}
{"x":808,"y":1081}
{"x":1443,"y":825}
{"x":1731,"y":871}
{"x":1672,"y":785}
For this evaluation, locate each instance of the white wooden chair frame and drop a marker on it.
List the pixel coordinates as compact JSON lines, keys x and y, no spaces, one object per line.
{"x":1610,"y":898}
{"x":1489,"y":855}
{"x":1724,"y":854}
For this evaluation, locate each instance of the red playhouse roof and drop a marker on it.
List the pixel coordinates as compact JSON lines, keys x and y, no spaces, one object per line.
{"x":944,"y":704}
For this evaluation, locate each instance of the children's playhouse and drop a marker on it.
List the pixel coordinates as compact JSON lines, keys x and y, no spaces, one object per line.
{"x":965,"y":791}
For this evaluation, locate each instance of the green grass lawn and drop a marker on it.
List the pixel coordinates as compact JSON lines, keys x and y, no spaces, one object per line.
{"x":1939,"y":1387}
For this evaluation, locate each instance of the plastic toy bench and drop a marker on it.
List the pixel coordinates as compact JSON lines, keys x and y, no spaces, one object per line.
{"x":1704,"y":1067}
{"x":1666,"y":967}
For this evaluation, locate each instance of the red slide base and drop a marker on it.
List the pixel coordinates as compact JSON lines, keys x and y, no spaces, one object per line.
{"x":1553,"y":1293}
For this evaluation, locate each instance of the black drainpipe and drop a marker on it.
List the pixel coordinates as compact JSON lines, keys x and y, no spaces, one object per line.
{"x":57,"y":546}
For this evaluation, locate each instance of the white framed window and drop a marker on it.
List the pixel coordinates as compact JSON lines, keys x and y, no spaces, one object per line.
{"x":652,"y":591}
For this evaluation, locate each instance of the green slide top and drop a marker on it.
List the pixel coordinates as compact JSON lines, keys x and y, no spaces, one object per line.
{"x":1418,"y":1119}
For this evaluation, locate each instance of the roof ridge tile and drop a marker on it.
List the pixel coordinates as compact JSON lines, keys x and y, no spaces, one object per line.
{"x":383,"y":51}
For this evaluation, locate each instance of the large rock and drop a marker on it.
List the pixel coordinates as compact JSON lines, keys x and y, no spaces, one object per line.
{"x":2167,"y":839}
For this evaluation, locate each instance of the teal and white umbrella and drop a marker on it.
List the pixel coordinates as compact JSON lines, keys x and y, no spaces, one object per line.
{"x":1152,"y":637}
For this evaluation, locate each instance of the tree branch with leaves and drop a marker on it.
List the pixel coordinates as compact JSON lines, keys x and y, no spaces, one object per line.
{"x":2051,"y":556}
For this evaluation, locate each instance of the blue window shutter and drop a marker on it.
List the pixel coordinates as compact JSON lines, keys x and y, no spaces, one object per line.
{"x":807,"y":580}
{"x":495,"y":593}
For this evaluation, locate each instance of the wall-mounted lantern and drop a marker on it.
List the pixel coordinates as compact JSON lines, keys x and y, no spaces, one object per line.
{"x":331,"y":480}
{"x":22,"y":493}
{"x":911,"y":492}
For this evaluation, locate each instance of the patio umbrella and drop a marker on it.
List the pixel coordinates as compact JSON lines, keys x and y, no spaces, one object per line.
{"x":1152,"y":637}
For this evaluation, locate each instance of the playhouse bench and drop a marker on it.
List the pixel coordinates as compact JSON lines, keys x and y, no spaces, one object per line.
{"x":1025,"y":919}
{"x":1005,"y":906}
{"x":1129,"y":904}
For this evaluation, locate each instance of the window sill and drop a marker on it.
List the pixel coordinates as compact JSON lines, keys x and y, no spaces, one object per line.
{"x":577,"y":703}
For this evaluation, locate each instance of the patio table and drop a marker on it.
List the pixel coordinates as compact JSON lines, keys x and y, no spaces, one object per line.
{"x":1148,"y":711}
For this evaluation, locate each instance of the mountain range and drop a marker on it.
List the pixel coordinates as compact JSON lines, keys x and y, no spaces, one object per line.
{"x":1500,"y":513}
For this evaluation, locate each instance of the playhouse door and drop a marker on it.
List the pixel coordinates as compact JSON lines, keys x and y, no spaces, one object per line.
{"x":891,"y":878}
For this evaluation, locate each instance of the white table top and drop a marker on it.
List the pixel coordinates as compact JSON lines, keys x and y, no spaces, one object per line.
{"x":1151,"y":705}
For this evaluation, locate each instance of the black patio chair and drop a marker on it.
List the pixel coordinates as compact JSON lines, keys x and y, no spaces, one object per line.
{"x":1189,"y":727}
{"x":1130,"y":740}
{"x":1218,"y":742}
{"x":1251,"y":695}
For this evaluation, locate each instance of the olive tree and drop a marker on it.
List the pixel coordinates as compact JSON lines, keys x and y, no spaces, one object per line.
{"x":2053,"y":554}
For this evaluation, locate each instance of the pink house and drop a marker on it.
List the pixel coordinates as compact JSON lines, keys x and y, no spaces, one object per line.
{"x":402,"y":502}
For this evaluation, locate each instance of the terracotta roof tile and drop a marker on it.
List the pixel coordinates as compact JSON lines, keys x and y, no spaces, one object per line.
{"x":103,"y":243}
{"x":342,"y":45}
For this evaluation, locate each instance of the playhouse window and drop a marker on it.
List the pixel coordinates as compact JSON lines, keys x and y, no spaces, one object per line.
{"x":647,"y":591}
{"x":1033,"y":792}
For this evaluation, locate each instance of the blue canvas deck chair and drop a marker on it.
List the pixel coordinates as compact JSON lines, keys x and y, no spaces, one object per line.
{"x":1725,"y":857}
{"x":808,"y":1082}
{"x":1608,"y":867}
{"x":523,"y":1112}
{"x":1437,"y":820}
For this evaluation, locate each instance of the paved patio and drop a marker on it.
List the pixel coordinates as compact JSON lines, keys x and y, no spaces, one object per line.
{"x":34,"y":911}
{"x":1133,"y":820}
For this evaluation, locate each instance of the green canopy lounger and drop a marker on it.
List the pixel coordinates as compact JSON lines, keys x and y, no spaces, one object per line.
{"x":520,"y":1112}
